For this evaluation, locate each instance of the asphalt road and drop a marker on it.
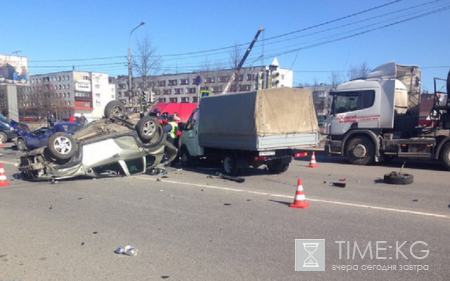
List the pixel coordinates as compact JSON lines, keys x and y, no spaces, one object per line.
{"x":195,"y":226}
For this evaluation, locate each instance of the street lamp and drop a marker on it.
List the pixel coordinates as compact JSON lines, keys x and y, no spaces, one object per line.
{"x":129,"y":61}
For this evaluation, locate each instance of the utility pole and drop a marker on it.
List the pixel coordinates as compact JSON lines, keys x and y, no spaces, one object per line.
{"x":130,"y":91}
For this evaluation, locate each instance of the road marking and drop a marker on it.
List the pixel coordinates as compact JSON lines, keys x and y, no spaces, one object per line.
{"x":11,"y":163}
{"x":310,"y":199}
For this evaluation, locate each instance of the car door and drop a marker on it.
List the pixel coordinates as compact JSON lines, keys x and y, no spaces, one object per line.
{"x":189,"y":135}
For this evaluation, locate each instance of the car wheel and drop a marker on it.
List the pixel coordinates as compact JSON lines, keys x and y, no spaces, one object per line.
{"x":360,"y":151}
{"x":21,"y":145}
{"x":230,"y":166}
{"x":277,"y":166}
{"x":61,"y":146}
{"x":3,"y":137}
{"x":114,"y":108}
{"x":147,"y":128}
{"x":445,"y":156}
{"x":397,"y":178}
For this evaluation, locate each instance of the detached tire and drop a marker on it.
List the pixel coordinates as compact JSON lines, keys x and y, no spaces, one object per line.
{"x":229,"y":165}
{"x":396,"y":178}
{"x":147,"y":128}
{"x":114,"y":108}
{"x":61,"y":146}
{"x":445,"y":156}
{"x":277,"y":166}
{"x":360,"y":151}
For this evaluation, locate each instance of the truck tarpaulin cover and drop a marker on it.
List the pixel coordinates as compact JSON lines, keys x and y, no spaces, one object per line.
{"x":281,"y":111}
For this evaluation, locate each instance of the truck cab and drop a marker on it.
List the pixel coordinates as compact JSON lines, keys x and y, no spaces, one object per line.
{"x":189,"y":146}
{"x":377,"y":117}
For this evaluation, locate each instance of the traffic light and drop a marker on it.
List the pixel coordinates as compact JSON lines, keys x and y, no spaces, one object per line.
{"x":275,"y":79}
{"x":152,"y":97}
{"x":259,"y":80}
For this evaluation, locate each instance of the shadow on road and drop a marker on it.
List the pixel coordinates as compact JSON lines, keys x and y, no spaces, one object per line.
{"x":323,"y":157}
{"x":280,"y":202}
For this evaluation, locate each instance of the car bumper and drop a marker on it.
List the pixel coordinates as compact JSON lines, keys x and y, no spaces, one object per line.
{"x":10,"y":134}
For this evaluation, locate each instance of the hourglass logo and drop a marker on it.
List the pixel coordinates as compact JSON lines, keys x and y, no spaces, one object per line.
{"x":309,"y":254}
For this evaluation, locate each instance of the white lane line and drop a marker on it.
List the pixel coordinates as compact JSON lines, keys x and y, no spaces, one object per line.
{"x":309,"y":199}
{"x":10,"y":163}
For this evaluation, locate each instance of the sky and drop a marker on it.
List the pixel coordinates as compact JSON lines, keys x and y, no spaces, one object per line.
{"x":314,"y":38}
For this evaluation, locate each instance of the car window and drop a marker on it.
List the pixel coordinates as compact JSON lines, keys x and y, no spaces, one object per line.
{"x":192,"y":121}
{"x":109,"y":169}
{"x":135,"y":165}
{"x":149,"y":160}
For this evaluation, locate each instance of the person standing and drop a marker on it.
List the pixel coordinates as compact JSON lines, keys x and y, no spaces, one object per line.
{"x":171,"y":129}
{"x":176,"y":117}
{"x":83,"y":119}
{"x":50,"y":119}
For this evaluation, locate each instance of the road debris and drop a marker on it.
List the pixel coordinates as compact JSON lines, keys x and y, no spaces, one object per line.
{"x":398,"y":178}
{"x":127,"y":250}
{"x":338,"y":184}
{"x":226,"y":177}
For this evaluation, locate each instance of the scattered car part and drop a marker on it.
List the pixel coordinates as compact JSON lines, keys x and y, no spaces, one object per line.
{"x":127,"y":250}
{"x":398,"y":178}
{"x":226,"y":177}
{"x":338,"y":184}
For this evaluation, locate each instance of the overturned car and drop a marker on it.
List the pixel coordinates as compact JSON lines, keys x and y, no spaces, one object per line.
{"x":111,"y":146}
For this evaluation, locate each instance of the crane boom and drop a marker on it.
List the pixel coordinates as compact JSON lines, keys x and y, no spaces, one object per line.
{"x":241,"y":63}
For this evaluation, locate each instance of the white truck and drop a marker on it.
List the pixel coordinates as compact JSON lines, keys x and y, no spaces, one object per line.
{"x":376,"y":118}
{"x":251,"y":129}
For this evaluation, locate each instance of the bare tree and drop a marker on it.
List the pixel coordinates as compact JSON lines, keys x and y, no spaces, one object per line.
{"x":360,"y":71}
{"x":235,"y":56}
{"x":205,"y":65}
{"x":147,"y":62}
{"x":235,"y":59}
{"x":335,"y":79}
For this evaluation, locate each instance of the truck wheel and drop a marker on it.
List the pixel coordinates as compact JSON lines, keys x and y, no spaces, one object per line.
{"x":147,"y":128}
{"x":61,"y":146}
{"x":397,"y":178}
{"x":114,"y":108}
{"x":277,"y":166}
{"x":230,"y":165}
{"x":445,"y":156}
{"x":360,"y":151}
{"x":185,"y":157}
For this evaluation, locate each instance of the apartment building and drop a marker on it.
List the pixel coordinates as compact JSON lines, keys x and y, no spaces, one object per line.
{"x":66,"y":93}
{"x":181,"y":87}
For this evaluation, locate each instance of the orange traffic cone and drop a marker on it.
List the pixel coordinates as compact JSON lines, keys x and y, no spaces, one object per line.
{"x":312,"y":163}
{"x":299,"y":199}
{"x":3,"y":180}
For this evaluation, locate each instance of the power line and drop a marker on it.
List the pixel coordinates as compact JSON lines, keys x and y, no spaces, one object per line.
{"x":284,"y":50}
{"x":240,"y":45}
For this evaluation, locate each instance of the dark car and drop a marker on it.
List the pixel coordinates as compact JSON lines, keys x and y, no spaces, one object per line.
{"x":39,"y":137}
{"x":6,"y":132}
{"x":112,"y":146}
